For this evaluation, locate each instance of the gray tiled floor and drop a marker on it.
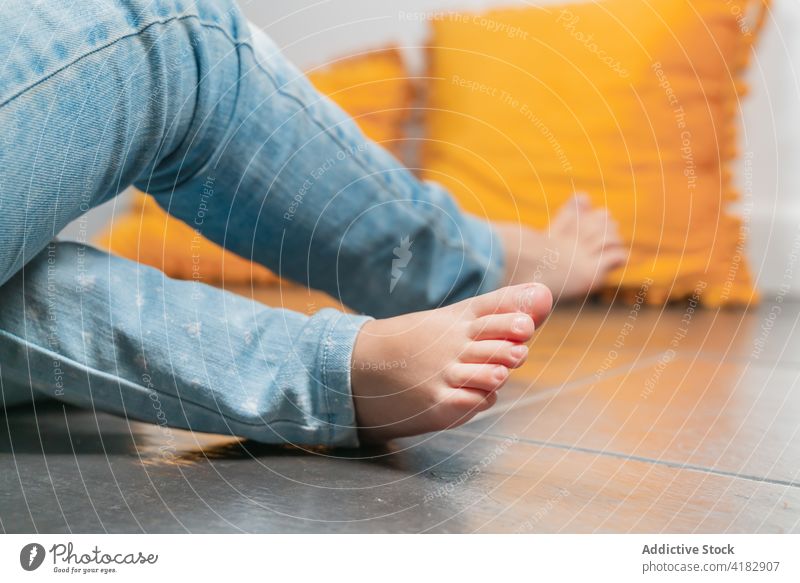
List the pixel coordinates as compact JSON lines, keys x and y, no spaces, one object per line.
{"x":701,"y":434}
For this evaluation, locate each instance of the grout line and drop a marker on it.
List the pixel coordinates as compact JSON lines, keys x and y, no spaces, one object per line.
{"x":637,"y":458}
{"x":717,"y":357}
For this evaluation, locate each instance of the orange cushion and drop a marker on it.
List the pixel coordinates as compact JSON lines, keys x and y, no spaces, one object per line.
{"x":373,"y":88}
{"x":631,"y":101}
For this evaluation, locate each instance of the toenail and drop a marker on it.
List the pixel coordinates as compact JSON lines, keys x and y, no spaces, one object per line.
{"x":520,"y":324}
{"x":528,"y":300}
{"x":500,"y":373}
{"x":519,"y":351}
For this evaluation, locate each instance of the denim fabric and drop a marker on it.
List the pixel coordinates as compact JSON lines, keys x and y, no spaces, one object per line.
{"x":191,"y":104}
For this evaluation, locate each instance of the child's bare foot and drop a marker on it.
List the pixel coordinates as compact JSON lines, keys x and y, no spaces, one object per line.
{"x":573,"y":258}
{"x":434,"y":370}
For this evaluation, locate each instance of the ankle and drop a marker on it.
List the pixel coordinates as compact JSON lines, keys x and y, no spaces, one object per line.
{"x":370,"y":357}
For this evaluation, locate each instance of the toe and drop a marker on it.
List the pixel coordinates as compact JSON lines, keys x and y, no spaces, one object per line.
{"x":596,"y":240}
{"x":613,"y":258}
{"x":582,"y":201}
{"x":567,"y":216}
{"x":612,"y":235}
{"x":534,"y":299}
{"x":484,"y":377}
{"x":599,"y":233}
{"x":598,"y":220}
{"x":517,"y":327}
{"x":502,"y":352}
{"x":472,"y":401}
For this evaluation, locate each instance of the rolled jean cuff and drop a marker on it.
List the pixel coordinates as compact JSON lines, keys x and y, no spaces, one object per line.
{"x":336,"y":404}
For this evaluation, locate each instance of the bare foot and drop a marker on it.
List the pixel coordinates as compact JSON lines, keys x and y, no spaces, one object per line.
{"x":573,"y":258}
{"x":435,"y":370}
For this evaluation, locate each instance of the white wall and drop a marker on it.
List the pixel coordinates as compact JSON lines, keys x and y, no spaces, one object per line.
{"x":770,"y":138}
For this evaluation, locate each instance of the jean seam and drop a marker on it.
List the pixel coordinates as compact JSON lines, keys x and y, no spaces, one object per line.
{"x":36,"y":348}
{"x":82,"y":56}
{"x":322,"y":371}
{"x":325,"y":352}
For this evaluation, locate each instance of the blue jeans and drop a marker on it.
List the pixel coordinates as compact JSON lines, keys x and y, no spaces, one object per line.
{"x":189,"y":103}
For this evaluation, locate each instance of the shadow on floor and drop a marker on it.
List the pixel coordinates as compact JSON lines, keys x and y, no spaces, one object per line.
{"x":53,"y":428}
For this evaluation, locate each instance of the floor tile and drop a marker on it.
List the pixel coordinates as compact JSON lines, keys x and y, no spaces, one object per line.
{"x":735,"y":418}
{"x":115,"y":479}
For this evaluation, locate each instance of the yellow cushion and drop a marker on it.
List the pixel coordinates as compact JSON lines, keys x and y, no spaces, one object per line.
{"x":373,"y":88}
{"x":631,"y":101}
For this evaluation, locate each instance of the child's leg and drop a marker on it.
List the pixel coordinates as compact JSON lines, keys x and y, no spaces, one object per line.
{"x":175,"y":101}
{"x":102,"y":332}
{"x":109,"y":334}
{"x":296,"y":186}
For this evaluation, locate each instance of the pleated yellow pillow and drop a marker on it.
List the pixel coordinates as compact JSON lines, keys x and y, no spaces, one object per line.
{"x":372,"y":87}
{"x":632,"y":101}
